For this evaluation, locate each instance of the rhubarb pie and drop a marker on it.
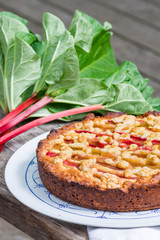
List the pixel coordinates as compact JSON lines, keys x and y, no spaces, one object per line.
{"x":109,"y":163}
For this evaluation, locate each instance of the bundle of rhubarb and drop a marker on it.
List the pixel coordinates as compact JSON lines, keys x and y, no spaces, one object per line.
{"x":68,"y":74}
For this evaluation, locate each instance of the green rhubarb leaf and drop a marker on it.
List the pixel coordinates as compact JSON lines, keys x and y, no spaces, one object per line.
{"x":12,"y":15}
{"x":8,"y":28}
{"x":92,"y":42}
{"x":84,"y":28}
{"x":100,"y":62}
{"x":87,"y":92}
{"x":81,"y":30}
{"x":147,"y":92}
{"x":29,"y":38}
{"x":24,"y":58}
{"x":155,"y":103}
{"x":27,"y":93}
{"x":39,"y":48}
{"x":128,"y":73}
{"x":2,"y":96}
{"x":43,"y":112}
{"x":58,"y":107}
{"x":73,"y":117}
{"x":70,"y":72}
{"x":128,"y":99}
{"x":59,"y":46}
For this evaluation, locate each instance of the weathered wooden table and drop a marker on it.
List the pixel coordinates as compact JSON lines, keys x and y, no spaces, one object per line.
{"x":136,"y":27}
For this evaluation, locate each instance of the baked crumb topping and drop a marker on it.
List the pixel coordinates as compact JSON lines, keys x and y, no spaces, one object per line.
{"x":108,"y":152}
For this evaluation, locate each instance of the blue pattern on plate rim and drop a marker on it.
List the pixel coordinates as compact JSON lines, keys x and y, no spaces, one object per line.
{"x":37,"y":188}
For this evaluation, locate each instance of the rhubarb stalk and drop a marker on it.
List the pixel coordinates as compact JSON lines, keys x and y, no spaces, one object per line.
{"x":18,"y":110}
{"x":46,"y":119}
{"x":38,"y":105}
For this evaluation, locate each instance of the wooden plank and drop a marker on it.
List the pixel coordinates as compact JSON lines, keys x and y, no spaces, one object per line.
{"x":9,"y":232}
{"x":143,"y":12}
{"x":153,"y":2}
{"x":38,"y":226}
{"x":34,"y":224}
{"x":146,"y":61}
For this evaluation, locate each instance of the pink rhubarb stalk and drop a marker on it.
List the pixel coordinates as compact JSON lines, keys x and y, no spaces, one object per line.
{"x":1,"y":147}
{"x":46,"y":119}
{"x":38,"y":105}
{"x":18,"y":110}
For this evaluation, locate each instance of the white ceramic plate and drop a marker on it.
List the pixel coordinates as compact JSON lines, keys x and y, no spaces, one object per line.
{"x":23,"y":181}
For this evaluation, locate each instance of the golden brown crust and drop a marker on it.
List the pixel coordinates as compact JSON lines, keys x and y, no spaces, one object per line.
{"x":81,"y":188}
